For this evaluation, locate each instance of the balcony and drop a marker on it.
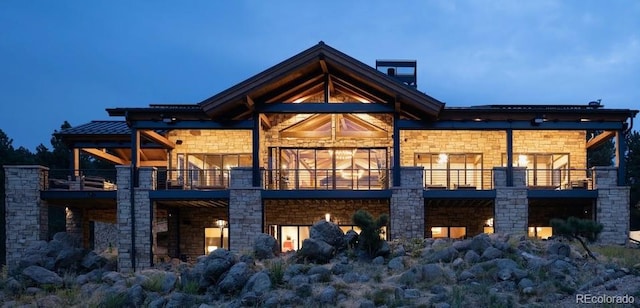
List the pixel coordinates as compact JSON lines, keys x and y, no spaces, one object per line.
{"x":559,"y":179}
{"x":193,"y":179}
{"x":80,"y":180}
{"x":325,"y":179}
{"x":458,"y":179}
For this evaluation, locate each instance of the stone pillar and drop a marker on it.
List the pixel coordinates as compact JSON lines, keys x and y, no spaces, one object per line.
{"x":245,"y":210}
{"x":612,"y":206}
{"x":511,"y":204}
{"x":26,"y":217}
{"x":74,"y":224}
{"x":123,"y":218}
{"x":144,"y":218}
{"x":407,"y":205}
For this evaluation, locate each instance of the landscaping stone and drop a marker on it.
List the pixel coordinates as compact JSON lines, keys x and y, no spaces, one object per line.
{"x":328,"y":232}
{"x":317,"y":250}
{"x":265,"y":246}
{"x":235,"y":279}
{"x":42,"y":276}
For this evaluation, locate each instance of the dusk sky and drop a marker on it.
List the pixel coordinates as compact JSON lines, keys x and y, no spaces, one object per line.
{"x":69,"y":60}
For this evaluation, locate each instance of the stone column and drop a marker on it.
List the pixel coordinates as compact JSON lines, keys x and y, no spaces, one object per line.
{"x":74,"y":224}
{"x":26,"y":217}
{"x":407,"y":215}
{"x":612,"y":206}
{"x":245,"y":210}
{"x":511,"y":204}
{"x":145,"y":218}
{"x":125,"y":263}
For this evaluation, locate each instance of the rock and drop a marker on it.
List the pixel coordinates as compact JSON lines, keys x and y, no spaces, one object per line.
{"x":466,"y":275}
{"x":351,"y":238}
{"x":350,"y":277}
{"x":317,"y":250}
{"x":525,"y":283}
{"x":69,"y":258}
{"x":42,"y":276}
{"x":432,"y":272}
{"x":341,"y":268}
{"x":411,"y":293}
{"x":471,"y":257}
{"x":462,"y":245}
{"x":384,"y":250}
{"x":265,"y":246}
{"x":445,"y":255}
{"x":13,"y":286}
{"x":610,"y":286}
{"x":216,"y":263}
{"x":179,"y":300}
{"x":399,"y":251}
{"x":411,"y":276}
{"x":328,"y":232}
{"x":157,"y":303}
{"x":480,"y":242}
{"x":559,"y":248}
{"x":365,"y":303}
{"x":293,"y":270}
{"x":111,"y":277}
{"x":235,"y":279}
{"x":259,"y":284}
{"x":298,"y":280}
{"x":328,"y":295}
{"x":249,"y":299}
{"x":92,"y":261}
{"x":504,"y":274}
{"x":66,"y":239}
{"x":33,"y":290}
{"x":169,"y":282}
{"x":304,"y":290}
{"x":396,"y":264}
{"x":457,"y":262}
{"x":135,"y":295}
{"x":50,"y":301}
{"x":377,"y":260}
{"x":438,"y":289}
{"x":34,"y":254}
{"x":491,"y":253}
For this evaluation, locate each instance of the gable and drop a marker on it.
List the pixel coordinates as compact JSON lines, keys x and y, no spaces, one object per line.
{"x":324,"y":125}
{"x":319,"y":74}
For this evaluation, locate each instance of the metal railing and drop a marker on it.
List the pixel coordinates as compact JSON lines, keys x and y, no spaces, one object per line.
{"x":326,"y":179}
{"x":81,"y":179}
{"x":462,"y":179}
{"x":559,"y":179}
{"x":202,"y":179}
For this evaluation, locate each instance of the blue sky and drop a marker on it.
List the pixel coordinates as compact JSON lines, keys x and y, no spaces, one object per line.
{"x":69,"y":60}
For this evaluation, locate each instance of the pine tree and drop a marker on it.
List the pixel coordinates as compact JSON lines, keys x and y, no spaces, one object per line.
{"x":583,"y":230}
{"x":371,"y":229}
{"x":633,"y":176}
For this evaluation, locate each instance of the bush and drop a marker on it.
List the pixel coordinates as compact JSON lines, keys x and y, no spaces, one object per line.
{"x":583,"y":230}
{"x":371,"y":229}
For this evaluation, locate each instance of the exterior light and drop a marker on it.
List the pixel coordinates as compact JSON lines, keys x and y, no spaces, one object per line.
{"x":327,"y":217}
{"x":221,"y":223}
{"x":523,"y":161}
{"x":169,"y":120}
{"x":443,"y":158}
{"x":489,"y":222}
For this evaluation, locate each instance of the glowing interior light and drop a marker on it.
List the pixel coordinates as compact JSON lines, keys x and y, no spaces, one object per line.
{"x":523,"y":161}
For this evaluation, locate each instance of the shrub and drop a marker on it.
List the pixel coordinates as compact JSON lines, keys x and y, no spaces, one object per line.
{"x":276,"y":272}
{"x":371,"y":229}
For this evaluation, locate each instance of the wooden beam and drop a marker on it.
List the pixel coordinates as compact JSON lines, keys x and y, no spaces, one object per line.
{"x":265,"y":121}
{"x":122,"y":154}
{"x":249,"y":102}
{"x":153,"y":163}
{"x":600,"y":139}
{"x":323,"y":65}
{"x":155,"y":137}
{"x":105,"y":156}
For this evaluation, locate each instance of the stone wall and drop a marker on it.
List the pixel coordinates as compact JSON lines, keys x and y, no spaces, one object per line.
{"x":407,"y":205}
{"x":105,"y":235}
{"x":245,"y":210}
{"x":541,"y":211}
{"x":26,"y":217}
{"x":511,"y":203}
{"x":612,"y":208}
{"x":125,"y":262}
{"x":191,"y":223}
{"x":553,"y":141}
{"x":307,"y":211}
{"x":75,"y":223}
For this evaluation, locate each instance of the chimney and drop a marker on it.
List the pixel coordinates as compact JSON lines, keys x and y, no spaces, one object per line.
{"x":404,"y":71}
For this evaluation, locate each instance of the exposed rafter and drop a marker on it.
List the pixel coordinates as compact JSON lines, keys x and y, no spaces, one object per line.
{"x":265,"y":121}
{"x":106,"y":156}
{"x":294,"y":87}
{"x":155,"y":137}
{"x":600,"y":139}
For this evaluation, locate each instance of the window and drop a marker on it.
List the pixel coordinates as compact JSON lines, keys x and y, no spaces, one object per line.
{"x":450,"y":232}
{"x":540,"y":232}
{"x":451,"y":171}
{"x":291,"y":237}
{"x":543,"y":170}
{"x":212,"y":170}
{"x":215,"y":238}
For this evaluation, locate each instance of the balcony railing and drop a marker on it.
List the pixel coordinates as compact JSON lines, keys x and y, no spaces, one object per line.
{"x":558,"y":179}
{"x":89,"y":179}
{"x":203,"y":179}
{"x":462,"y":179}
{"x":326,"y":179}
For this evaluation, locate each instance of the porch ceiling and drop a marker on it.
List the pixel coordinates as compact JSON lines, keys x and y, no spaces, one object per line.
{"x":459,"y":202}
{"x":193,"y":203}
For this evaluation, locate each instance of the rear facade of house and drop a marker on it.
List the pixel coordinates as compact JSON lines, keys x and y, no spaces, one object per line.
{"x":318,"y":137}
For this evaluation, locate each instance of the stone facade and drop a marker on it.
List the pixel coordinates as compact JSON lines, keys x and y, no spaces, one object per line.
{"x":511,"y":203}
{"x":144,"y":211}
{"x":612,"y":206}
{"x":26,"y":214}
{"x":75,"y":223}
{"x":309,"y":211}
{"x":454,"y":213}
{"x":407,"y":205}
{"x":185,"y":234}
{"x":245,"y":210}
{"x":125,"y":261}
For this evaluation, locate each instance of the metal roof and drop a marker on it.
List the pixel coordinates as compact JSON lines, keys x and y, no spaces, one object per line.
{"x":98,"y":128}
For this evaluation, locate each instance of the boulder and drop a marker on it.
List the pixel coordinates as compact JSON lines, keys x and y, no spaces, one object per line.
{"x":265,"y":246}
{"x":328,"y":232}
{"x":445,"y":255}
{"x":559,"y":248}
{"x":471,"y":257}
{"x":42,"y":276}
{"x":480,"y":242}
{"x":328,"y":295}
{"x":215,"y":264}
{"x":396,"y":264}
{"x":259,"y":284}
{"x":69,"y":258}
{"x":384,"y":250}
{"x":432,"y":272}
{"x":351,"y":238}
{"x":317,"y":250}
{"x":235,"y":279}
{"x":491,"y":253}
{"x":92,"y":261}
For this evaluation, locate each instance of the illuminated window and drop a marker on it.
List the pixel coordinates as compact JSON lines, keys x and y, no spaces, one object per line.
{"x":450,"y":232}
{"x":540,"y":232}
{"x":214,"y":239}
{"x":451,"y":171}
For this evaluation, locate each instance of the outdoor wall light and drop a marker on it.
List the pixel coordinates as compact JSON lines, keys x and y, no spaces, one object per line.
{"x":169,"y":120}
{"x":443,"y":158}
{"x":221,"y":223}
{"x":327,"y":217}
{"x":537,"y":120}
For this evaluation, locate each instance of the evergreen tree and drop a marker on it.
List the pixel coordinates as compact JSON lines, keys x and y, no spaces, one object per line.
{"x":603,"y":154}
{"x":583,"y":230}
{"x":371,"y":229}
{"x":633,"y":176}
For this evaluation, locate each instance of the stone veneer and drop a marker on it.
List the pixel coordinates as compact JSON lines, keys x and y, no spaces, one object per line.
{"x":309,"y":211}
{"x":123,"y":174}
{"x":612,"y":206}
{"x":245,"y":210}
{"x":74,"y":223}
{"x":189,"y":223}
{"x":407,"y":205}
{"x":26,"y":217}
{"x":511,"y":203}
{"x":457,"y":214}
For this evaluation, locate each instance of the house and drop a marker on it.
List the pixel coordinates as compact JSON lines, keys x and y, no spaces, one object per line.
{"x":319,"y":136}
